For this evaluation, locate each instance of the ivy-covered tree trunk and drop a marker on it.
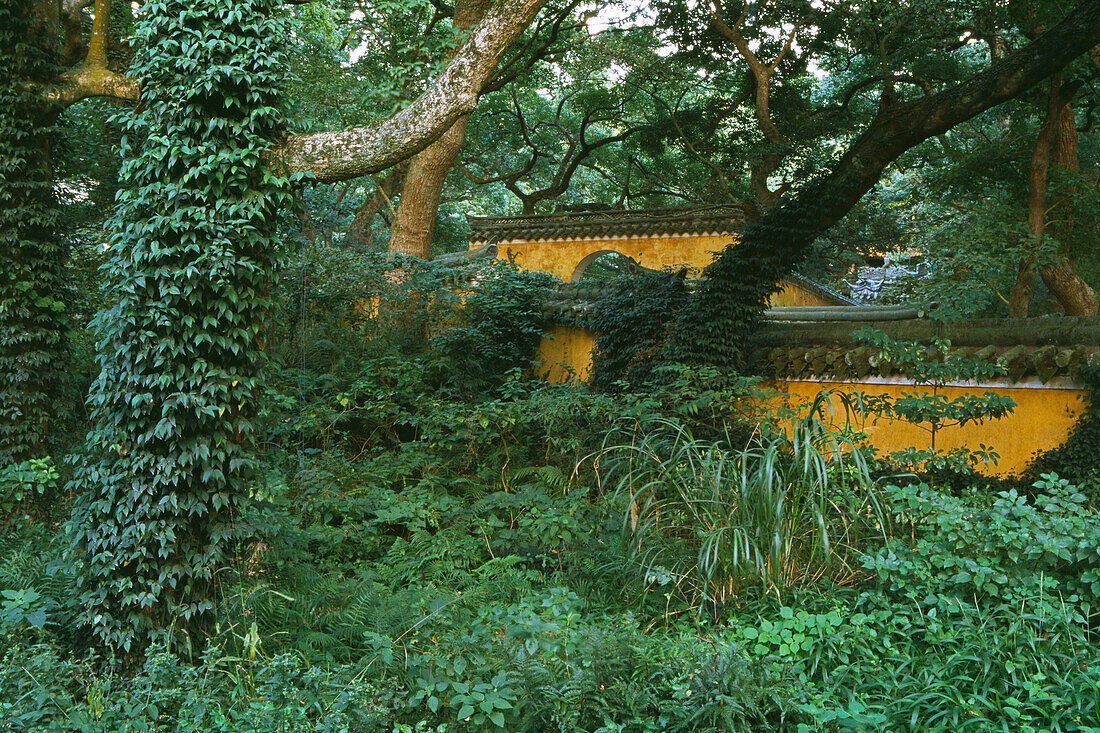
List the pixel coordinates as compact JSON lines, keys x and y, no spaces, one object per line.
{"x":32,"y":257}
{"x":170,"y":452}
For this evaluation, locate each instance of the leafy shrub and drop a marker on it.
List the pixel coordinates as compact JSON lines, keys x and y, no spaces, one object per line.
{"x":1076,"y":459}
{"x":19,"y":482}
{"x":497,"y":329}
{"x":42,"y":690}
{"x":932,"y":412}
{"x":1040,"y":556}
{"x":631,"y":320}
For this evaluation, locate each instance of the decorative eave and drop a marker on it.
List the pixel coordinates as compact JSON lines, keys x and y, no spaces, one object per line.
{"x":1028,"y":348}
{"x":1044,"y":331}
{"x":570,"y":301}
{"x":1046,"y":363}
{"x":596,"y":225}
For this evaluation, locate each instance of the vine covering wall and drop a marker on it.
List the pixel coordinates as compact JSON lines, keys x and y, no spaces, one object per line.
{"x":1076,"y":459}
{"x":32,"y":257}
{"x":632,"y":320}
{"x":173,"y":406}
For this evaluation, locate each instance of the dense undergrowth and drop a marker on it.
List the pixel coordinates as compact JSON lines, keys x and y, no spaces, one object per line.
{"x":439,"y":542}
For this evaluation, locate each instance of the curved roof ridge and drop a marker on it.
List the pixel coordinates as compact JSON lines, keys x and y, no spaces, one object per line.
{"x":702,"y":219}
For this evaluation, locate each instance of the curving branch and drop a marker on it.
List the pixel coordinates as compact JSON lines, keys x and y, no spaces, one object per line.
{"x":735,"y":288}
{"x":890,"y":79}
{"x":762,"y":75}
{"x":533,"y":50}
{"x":345,"y":154}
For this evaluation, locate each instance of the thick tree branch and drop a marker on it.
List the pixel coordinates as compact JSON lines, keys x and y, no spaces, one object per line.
{"x":97,"y":44}
{"x":85,"y":82}
{"x":92,"y":78}
{"x":762,"y":74}
{"x":344,"y":154}
{"x":532,"y":51}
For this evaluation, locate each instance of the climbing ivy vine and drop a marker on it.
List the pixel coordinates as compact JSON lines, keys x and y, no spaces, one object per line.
{"x":631,"y":321}
{"x":717,"y":324}
{"x":173,"y":406}
{"x":32,"y":257}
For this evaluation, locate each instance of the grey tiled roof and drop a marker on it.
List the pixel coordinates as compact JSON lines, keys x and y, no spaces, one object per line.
{"x":1045,"y":348}
{"x":717,"y":220}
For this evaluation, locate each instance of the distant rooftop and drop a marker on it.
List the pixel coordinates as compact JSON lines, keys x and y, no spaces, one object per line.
{"x":606,"y":224}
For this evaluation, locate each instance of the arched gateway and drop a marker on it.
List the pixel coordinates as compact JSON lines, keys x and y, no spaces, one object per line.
{"x":565,"y":244}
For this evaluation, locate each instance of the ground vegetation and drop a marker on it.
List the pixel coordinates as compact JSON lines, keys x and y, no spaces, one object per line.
{"x":321,"y":487}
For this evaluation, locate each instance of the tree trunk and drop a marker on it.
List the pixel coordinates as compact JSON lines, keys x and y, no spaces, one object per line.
{"x":1038,"y":174}
{"x":718,"y":323}
{"x":1074,"y":295}
{"x":414,"y":224}
{"x":359,"y":232}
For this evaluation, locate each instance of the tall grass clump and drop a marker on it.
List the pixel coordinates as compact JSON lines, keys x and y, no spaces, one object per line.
{"x":786,"y":508}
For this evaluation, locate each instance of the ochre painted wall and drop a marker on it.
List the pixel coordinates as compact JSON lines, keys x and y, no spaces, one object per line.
{"x":564,"y":354}
{"x":1042,"y":419}
{"x":561,"y":257}
{"x":791,"y":296}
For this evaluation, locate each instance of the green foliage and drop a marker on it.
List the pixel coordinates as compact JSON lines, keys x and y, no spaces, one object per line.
{"x":1076,"y":459}
{"x":981,"y":617}
{"x":785,"y":509}
{"x":464,"y":328}
{"x":175,"y":400}
{"x":32,"y":255}
{"x":1042,"y":557}
{"x":499,"y":327}
{"x":25,"y":604}
{"x":933,"y":411}
{"x":43,"y":690}
{"x":631,"y":320}
{"x":20,"y":481}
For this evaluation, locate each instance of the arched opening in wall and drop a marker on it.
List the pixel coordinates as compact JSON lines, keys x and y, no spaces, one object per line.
{"x":603,"y":265}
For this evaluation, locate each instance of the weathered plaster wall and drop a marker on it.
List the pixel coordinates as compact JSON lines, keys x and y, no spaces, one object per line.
{"x":561,"y":257}
{"x":1042,"y":419}
{"x":791,"y":296}
{"x":564,"y":354}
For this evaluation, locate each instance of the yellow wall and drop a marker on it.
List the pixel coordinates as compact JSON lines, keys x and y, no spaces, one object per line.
{"x":1042,"y":419}
{"x":791,"y":296}
{"x":561,"y":257}
{"x":565,"y":353}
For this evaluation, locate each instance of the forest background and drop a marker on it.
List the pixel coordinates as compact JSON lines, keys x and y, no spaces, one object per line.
{"x":315,"y":488}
